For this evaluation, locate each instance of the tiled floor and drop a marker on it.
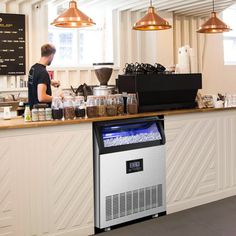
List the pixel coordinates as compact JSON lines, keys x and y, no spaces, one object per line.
{"x":213,"y":219}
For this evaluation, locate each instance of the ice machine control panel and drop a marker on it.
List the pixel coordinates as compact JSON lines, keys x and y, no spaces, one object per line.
{"x":134,"y":166}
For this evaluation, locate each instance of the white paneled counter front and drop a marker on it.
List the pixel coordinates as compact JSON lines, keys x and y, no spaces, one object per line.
{"x":46,"y":181}
{"x":201,"y":158}
{"x":46,"y":172}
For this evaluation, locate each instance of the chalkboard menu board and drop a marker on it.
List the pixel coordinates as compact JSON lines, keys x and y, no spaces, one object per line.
{"x":12,"y":44}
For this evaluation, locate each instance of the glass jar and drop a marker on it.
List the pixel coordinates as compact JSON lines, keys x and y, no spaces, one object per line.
{"x":57,"y":108}
{"x":79,"y":107}
{"x":92,"y":106}
{"x":111,"y":108}
{"x":41,"y":113}
{"x":48,"y":114}
{"x":35,"y":114}
{"x":101,"y":105}
{"x":132,"y":104}
{"x":120,"y":104}
{"x":233,"y":100}
{"x":69,"y":110}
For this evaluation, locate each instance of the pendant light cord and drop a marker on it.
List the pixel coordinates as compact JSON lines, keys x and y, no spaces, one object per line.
{"x":151,"y":3}
{"x":213,"y":5}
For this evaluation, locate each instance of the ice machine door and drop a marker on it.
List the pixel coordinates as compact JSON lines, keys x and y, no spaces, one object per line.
{"x":129,"y":134}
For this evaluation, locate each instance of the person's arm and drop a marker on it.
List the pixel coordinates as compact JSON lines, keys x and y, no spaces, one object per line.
{"x":42,"y":95}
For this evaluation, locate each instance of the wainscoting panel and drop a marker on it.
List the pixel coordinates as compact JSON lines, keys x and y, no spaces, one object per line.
{"x":46,"y":181}
{"x":201,"y":158}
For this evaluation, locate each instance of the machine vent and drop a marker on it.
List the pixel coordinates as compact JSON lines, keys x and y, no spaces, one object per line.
{"x":154,"y":197}
{"x":127,"y":203}
{"x":148,"y":198}
{"x":108,"y":208}
{"x":141,"y":199}
{"x":115,"y":206}
{"x":159,"y":191}
{"x":122,"y":205}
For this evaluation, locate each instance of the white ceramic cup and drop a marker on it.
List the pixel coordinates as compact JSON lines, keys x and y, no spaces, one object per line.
{"x":6,"y":113}
{"x":219,"y":104}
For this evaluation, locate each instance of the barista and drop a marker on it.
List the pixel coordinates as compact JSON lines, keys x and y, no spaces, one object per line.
{"x":39,"y":82}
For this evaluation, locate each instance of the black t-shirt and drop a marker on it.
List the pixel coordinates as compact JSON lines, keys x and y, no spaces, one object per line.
{"x":37,"y":75}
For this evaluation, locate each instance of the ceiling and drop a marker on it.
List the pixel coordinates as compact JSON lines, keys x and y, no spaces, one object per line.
{"x":181,"y":7}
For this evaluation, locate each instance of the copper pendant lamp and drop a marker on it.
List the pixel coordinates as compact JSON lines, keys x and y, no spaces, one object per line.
{"x":214,"y":25}
{"x":151,"y":21}
{"x":73,"y":18}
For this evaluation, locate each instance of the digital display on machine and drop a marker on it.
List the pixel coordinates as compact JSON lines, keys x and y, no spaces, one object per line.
{"x":130,"y":134}
{"x":134,"y":166}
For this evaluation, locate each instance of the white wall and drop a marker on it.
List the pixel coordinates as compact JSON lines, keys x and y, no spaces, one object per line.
{"x":143,"y":46}
{"x":158,"y":45}
{"x":217,"y":76}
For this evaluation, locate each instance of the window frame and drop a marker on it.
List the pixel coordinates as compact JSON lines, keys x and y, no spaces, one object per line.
{"x":229,"y":35}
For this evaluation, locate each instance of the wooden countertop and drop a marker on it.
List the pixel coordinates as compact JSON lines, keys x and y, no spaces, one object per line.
{"x":18,"y":123}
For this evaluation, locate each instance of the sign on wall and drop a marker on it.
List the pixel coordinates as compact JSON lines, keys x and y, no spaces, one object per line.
{"x":12,"y":44}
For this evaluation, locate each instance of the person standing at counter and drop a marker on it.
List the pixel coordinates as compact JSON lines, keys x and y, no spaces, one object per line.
{"x":39,"y":82}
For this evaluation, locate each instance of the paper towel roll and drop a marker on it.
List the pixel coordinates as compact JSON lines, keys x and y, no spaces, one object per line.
{"x":193,"y":62}
{"x":184,"y":60}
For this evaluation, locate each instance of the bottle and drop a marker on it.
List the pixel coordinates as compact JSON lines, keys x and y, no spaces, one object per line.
{"x":120,"y":104}
{"x":48,"y":114}
{"x":41,"y":113}
{"x":132,"y":104}
{"x":27,"y":114}
{"x":92,"y":106}
{"x":101,"y":105}
{"x":111,"y":108}
{"x":79,"y":107}
{"x":69,"y":110}
{"x":35,"y":114}
{"x":57,"y":108}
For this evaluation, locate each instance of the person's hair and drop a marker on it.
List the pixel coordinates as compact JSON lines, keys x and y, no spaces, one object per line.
{"x":47,"y":50}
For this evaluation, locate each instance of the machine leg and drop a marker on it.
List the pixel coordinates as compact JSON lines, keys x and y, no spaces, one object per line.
{"x":107,"y":229}
{"x":155,"y":216}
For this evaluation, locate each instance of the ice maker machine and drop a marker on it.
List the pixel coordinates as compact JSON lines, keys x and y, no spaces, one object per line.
{"x":129,"y":166}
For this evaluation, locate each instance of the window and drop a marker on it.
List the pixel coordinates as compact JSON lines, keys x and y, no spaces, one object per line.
{"x":229,"y":17}
{"x":85,"y":46}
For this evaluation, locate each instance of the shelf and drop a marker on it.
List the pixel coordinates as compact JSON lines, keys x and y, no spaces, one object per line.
{"x":13,"y":90}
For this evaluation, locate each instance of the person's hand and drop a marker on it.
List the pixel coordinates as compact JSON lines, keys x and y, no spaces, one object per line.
{"x":55,"y":83}
{"x":62,"y":95}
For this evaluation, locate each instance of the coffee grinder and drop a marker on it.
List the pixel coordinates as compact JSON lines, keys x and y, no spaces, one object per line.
{"x":103,"y":72}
